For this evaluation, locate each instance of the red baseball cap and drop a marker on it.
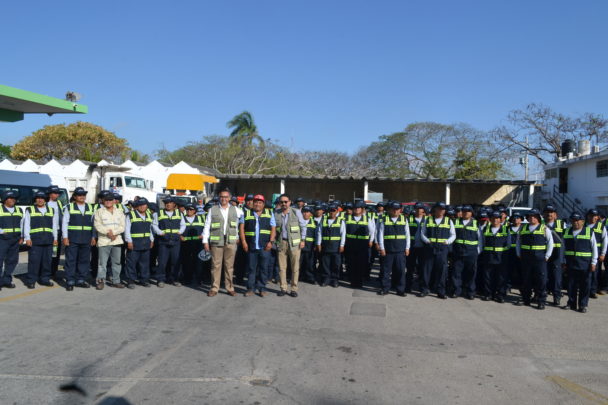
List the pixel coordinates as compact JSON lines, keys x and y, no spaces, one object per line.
{"x":259,"y":197}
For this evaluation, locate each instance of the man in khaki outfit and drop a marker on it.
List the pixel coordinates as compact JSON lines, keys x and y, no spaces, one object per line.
{"x":220,"y":236}
{"x":291,"y":238}
{"x":109,"y":222}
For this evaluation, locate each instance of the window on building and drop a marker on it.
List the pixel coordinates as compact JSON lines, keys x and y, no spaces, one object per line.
{"x":601,"y":168}
{"x":550,"y":174}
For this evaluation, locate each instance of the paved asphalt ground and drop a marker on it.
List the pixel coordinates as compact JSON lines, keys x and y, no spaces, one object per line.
{"x":328,"y":346}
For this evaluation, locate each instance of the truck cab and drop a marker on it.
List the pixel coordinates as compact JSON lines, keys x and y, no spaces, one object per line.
{"x":129,"y":186}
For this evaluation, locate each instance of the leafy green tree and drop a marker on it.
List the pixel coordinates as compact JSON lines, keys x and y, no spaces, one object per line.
{"x":80,"y":140}
{"x":5,"y":151}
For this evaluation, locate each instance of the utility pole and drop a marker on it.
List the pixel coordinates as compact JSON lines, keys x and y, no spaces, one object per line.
{"x":526,"y":160}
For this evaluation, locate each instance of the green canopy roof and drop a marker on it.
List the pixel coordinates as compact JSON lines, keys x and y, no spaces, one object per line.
{"x":15,"y":102}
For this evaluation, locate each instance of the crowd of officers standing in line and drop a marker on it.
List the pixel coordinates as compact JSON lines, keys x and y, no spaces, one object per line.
{"x":448,"y":251}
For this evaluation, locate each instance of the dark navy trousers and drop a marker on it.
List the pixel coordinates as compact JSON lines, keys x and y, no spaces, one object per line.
{"x":39,"y":263}
{"x":393,"y":268}
{"x":9,"y":257}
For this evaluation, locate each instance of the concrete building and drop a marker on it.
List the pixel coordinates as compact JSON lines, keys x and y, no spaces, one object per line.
{"x":482,"y":192}
{"x":578,"y":181}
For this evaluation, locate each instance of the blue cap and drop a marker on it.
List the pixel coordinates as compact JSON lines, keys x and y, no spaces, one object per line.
{"x":319,"y":207}
{"x":483,"y":214}
{"x":549,"y":208}
{"x":380,"y":204}
{"x":9,"y":194}
{"x":300,"y":199}
{"x":332,"y":207}
{"x":249,"y":197}
{"x":396,"y":205}
{"x":467,"y":207}
{"x":418,"y":206}
{"x":495,"y":214}
{"x":533,"y":212}
{"x":168,"y":199}
{"x":360,"y":204}
{"x":440,"y":205}
{"x":307,"y":208}
{"x":190,"y":206}
{"x":80,"y":191}
{"x":348,"y":205}
{"x":39,"y":194}
{"x":208,"y":206}
{"x":575,"y":216}
{"x":458,"y":208}
{"x":517,"y":215}
{"x":451,"y":211}
{"x":53,"y":189}
{"x":234,"y":199}
{"x":140,"y":201}
{"x":593,"y":212}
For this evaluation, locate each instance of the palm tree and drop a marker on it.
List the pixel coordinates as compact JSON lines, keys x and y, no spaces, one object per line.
{"x":245,"y":131}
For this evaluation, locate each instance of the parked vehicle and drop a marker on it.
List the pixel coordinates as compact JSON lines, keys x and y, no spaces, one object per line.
{"x":26,"y":184}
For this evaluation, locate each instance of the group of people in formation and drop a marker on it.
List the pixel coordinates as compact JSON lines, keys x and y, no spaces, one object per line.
{"x":446,"y":250}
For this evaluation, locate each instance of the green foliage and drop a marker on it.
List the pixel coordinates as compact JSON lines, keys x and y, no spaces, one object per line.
{"x":80,"y":140}
{"x":5,"y":151}
{"x":244,"y":131}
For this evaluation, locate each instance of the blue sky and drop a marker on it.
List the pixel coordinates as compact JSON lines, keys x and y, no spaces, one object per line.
{"x":329,"y":75}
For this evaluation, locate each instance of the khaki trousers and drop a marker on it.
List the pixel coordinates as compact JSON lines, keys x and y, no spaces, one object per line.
{"x":293,"y":255}
{"x":222,"y":255}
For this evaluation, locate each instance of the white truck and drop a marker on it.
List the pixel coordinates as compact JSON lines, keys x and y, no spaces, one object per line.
{"x":127,"y":185}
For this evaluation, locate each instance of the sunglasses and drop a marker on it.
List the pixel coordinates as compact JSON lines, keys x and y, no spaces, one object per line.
{"x":284,"y":202}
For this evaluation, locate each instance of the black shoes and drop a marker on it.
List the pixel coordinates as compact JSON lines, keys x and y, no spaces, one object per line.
{"x":556,"y":301}
{"x":541,"y":305}
{"x":500,"y":299}
{"x":83,"y":284}
{"x":594,"y":295}
{"x":402,"y":294}
{"x":131,"y":286}
{"x":281,"y":293}
{"x":31,"y":286}
{"x":10,"y":285}
{"x":485,"y":298}
{"x":422,"y":294}
{"x":334,"y":284}
{"x":46,"y":283}
{"x":470,"y":297}
{"x":145,"y":284}
{"x":583,"y":310}
{"x":293,"y":294}
{"x":382,"y":292}
{"x":442,"y":296}
{"x":452,"y":295}
{"x":69,"y":287}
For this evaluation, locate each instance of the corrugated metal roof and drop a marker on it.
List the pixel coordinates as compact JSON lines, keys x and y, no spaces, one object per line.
{"x":353,"y":178}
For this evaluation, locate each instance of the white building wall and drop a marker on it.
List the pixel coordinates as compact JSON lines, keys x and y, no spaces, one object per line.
{"x":583,"y":183}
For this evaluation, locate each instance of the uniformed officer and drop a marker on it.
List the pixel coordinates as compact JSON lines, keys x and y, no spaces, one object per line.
{"x":514,"y":262}
{"x":307,"y":258}
{"x":394,"y":246}
{"x":415,"y":259}
{"x":466,"y":250}
{"x":55,"y":203}
{"x":192,"y":244}
{"x":554,"y":265}
{"x":257,"y":233}
{"x":534,"y":248}
{"x":331,"y":237}
{"x":40,"y":227}
{"x":11,"y":225}
{"x":140,"y":240}
{"x":360,"y":233}
{"x":437,"y":234}
{"x":234,"y":201}
{"x":78,"y":237}
{"x":168,"y":224}
{"x":374,"y":251}
{"x":581,"y":254}
{"x":601,"y":237}
{"x":496,"y":243}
